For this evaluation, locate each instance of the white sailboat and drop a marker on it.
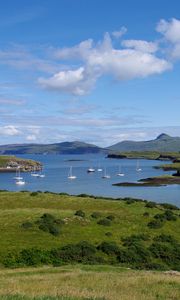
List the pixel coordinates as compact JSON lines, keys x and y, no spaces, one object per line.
{"x":138,"y":169}
{"x":91,"y":170}
{"x":20,"y":182}
{"x":34,"y":173}
{"x":41,"y":175}
{"x":120,"y":172}
{"x":99,"y":169}
{"x":70,"y":175}
{"x":106,"y":176}
{"x":18,"y":175}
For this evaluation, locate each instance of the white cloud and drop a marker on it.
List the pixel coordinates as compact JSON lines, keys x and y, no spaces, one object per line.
{"x":138,"y":60}
{"x":171,"y":32}
{"x":118,"y":34}
{"x":139,"y":45}
{"x":9,"y":130}
{"x":31,"y":137}
{"x":77,"y":82}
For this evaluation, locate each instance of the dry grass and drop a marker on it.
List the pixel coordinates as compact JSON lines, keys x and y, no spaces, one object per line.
{"x":95,"y":282}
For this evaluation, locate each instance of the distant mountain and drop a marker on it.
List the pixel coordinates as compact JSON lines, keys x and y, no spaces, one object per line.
{"x":58,"y":148}
{"x":163,"y":143}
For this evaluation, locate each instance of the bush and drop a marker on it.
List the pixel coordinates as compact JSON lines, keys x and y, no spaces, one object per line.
{"x":155,"y":224}
{"x":168,"y":253}
{"x":136,"y":255}
{"x":49,"y":223}
{"x":27,"y":225}
{"x":110,"y":217}
{"x":104,"y":222}
{"x":165,"y":238}
{"x":108,"y":234}
{"x":81,"y":252}
{"x":96,"y":215}
{"x":150,"y":204}
{"x":130,"y":240}
{"x":146,"y":214}
{"x":80,"y":213}
{"x":110,"y":248}
{"x":130,"y":201}
{"x":34,"y":194}
{"x":169,"y":206}
{"x":168,"y":215}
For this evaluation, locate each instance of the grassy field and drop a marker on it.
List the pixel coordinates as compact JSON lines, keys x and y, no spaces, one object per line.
{"x":77,"y":281}
{"x":19,"y":207}
{"x":88,"y":282}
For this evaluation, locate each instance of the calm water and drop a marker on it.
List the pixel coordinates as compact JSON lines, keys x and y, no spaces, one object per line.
{"x":56,"y":168}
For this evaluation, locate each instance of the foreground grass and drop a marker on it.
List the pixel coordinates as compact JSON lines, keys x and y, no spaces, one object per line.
{"x":87,"y":282}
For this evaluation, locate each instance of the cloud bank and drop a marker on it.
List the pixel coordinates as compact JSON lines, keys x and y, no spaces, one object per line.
{"x":88,"y":61}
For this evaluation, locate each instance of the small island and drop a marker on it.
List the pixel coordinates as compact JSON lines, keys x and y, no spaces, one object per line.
{"x":162,"y":180}
{"x":12,"y":163}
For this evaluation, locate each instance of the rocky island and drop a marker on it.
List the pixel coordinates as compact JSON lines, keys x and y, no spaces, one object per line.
{"x":12,"y":163}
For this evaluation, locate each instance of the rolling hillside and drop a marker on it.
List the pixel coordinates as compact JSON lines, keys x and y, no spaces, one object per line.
{"x":58,"y":148}
{"x":162,"y":143}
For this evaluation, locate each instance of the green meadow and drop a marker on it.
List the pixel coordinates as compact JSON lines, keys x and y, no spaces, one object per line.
{"x":103,"y":273}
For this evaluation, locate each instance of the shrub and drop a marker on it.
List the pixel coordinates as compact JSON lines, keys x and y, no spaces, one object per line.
{"x":169,"y":216}
{"x":150,"y":204}
{"x":108,"y":234}
{"x":130,"y":201}
{"x":27,"y":225}
{"x":34,"y":194}
{"x":54,"y":230}
{"x":155,"y":224}
{"x":49,"y":223}
{"x":96,"y":215}
{"x":146,"y":214}
{"x":104,"y":222}
{"x":110,"y":217}
{"x":130,"y":240}
{"x":135,"y":254}
{"x":110,"y":248}
{"x":81,"y":252}
{"x":168,"y":253}
{"x":80,"y":213}
{"x":165,"y":238}
{"x":169,"y":206}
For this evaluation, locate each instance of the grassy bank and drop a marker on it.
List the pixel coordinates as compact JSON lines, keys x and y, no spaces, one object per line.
{"x":44,"y":228}
{"x":87,"y":282}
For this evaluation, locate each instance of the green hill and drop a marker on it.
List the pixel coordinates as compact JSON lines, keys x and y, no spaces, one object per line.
{"x":58,"y":148}
{"x":87,"y":248}
{"x":163,"y":143}
{"x":130,"y":229}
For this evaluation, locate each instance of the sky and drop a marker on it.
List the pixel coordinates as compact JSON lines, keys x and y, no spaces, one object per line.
{"x":89,"y":70}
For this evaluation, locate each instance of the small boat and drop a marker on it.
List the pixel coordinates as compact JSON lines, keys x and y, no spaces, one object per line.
{"x":18,"y":175}
{"x":106,"y":176}
{"x":99,"y":169}
{"x":90,"y":170}
{"x":120,"y":172}
{"x":20,"y":182}
{"x":41,"y":175}
{"x":70,"y":175}
{"x":34,"y":173}
{"x":138,"y":169}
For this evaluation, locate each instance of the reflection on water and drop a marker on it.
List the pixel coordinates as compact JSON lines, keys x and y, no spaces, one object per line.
{"x":56,"y":169}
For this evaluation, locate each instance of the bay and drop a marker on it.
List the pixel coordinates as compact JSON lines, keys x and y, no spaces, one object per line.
{"x":56,"y":168}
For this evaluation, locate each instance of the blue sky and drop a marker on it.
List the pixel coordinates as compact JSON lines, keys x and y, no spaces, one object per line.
{"x":96,"y":71}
